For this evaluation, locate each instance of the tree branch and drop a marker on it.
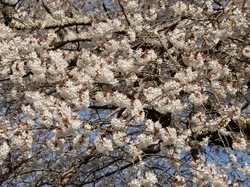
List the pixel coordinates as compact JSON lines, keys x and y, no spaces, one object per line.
{"x":50,"y":24}
{"x":82,"y":37}
{"x":83,"y":159}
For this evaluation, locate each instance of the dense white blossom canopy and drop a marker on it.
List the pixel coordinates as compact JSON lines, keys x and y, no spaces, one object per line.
{"x":124,"y":93}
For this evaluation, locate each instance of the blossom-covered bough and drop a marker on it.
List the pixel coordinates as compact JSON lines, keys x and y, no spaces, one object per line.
{"x":124,"y":93}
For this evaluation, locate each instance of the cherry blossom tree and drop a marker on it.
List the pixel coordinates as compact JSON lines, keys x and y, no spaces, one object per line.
{"x":124,"y":93}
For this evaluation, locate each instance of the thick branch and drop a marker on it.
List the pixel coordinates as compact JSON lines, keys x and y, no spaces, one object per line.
{"x":82,"y":37}
{"x":104,"y":107}
{"x":51,"y":23}
{"x":83,"y":159}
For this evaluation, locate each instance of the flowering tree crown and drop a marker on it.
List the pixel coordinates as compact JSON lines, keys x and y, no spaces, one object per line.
{"x":138,"y":93}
